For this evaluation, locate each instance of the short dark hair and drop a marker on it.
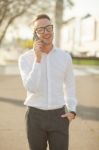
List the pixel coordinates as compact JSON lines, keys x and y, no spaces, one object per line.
{"x":41,"y":16}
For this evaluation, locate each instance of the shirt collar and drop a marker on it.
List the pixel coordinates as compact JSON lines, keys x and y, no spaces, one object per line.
{"x":52,"y":50}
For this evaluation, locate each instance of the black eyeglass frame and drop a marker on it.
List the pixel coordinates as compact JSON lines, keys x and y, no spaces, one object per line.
{"x":44,"y":28}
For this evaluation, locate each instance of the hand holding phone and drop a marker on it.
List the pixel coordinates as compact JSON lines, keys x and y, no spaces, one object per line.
{"x":38,"y":46}
{"x":35,"y":38}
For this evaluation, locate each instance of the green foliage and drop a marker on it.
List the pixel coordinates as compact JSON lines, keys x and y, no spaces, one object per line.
{"x":28,"y":43}
{"x":86,"y":61}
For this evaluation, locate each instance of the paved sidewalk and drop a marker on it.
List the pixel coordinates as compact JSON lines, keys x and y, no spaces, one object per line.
{"x":81,"y":70}
{"x":84,"y":130}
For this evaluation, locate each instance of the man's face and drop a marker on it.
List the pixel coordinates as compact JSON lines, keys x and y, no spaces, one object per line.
{"x":44,"y":30}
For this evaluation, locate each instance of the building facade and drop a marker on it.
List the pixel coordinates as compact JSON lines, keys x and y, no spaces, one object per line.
{"x":80,"y":36}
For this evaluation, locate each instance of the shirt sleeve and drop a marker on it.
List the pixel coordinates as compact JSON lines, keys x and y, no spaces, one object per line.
{"x":30,"y":75}
{"x":71,"y":101}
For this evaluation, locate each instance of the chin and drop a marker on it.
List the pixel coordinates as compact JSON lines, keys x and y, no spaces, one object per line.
{"x":48,"y":41}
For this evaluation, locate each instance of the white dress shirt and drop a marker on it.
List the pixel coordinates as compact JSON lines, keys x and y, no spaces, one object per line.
{"x":47,"y":81}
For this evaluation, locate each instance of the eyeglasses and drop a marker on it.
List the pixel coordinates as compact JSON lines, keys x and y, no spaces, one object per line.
{"x":41,"y":30}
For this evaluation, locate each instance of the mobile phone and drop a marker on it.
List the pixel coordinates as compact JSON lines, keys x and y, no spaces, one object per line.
{"x":35,"y":37}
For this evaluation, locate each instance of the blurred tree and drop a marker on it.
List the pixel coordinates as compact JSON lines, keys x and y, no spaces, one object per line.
{"x":59,"y":9}
{"x":9,"y":11}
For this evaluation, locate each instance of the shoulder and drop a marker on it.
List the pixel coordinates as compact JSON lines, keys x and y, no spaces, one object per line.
{"x":63,"y":54}
{"x":26,"y":55}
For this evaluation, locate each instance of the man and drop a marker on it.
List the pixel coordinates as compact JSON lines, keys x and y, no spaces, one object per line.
{"x":46,"y":72}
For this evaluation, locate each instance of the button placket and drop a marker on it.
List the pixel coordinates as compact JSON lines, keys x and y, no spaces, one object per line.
{"x":48,"y":80}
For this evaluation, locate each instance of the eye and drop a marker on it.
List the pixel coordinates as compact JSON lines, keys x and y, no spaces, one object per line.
{"x":40,"y":30}
{"x":49,"y":28}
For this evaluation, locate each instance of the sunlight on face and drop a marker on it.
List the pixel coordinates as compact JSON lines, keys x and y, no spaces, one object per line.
{"x":46,"y":26}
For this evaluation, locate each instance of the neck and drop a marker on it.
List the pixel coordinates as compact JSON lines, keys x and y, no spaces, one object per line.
{"x":47,"y":48}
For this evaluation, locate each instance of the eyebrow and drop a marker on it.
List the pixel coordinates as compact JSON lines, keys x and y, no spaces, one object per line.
{"x":43,"y":26}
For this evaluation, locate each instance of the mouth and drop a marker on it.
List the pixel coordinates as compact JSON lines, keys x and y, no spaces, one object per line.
{"x":47,"y":37}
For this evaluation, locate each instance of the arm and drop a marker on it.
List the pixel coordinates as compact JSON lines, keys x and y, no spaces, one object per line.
{"x":30,"y":76}
{"x":69,"y":82}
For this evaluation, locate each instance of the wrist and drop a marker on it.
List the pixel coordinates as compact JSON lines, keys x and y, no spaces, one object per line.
{"x":73,"y":112}
{"x":38,"y":60}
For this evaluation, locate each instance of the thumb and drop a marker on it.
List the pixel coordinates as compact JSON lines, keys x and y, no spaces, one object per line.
{"x":64,"y":115}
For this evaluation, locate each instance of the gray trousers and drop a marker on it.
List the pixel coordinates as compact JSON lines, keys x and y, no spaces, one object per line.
{"x":47,"y":126}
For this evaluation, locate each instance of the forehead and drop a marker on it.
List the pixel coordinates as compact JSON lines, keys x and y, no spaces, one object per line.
{"x":41,"y":23}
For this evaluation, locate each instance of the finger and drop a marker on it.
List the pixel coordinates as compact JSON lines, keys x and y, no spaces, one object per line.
{"x":39,"y":42}
{"x":38,"y":48}
{"x":70,"y":118}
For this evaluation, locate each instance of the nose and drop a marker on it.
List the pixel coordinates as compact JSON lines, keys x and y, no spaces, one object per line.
{"x":45,"y":31}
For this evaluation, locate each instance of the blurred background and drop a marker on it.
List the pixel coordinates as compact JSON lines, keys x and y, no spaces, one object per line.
{"x":76,"y":26}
